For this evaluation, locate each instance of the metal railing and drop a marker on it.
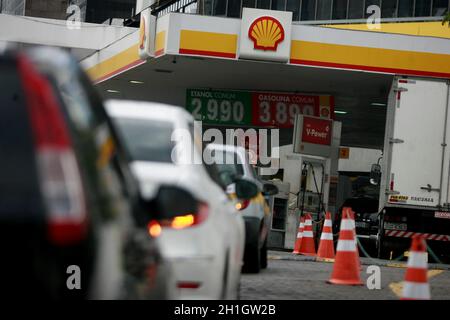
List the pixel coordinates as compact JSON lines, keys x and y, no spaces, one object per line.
{"x":208,"y":7}
{"x":160,"y":8}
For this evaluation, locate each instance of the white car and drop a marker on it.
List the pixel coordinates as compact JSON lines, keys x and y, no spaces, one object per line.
{"x":256,"y":212}
{"x":205,"y":248}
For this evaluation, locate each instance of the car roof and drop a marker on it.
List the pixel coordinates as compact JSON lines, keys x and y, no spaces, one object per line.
{"x":147,"y":110}
{"x":229,"y":148}
{"x":55,"y":61}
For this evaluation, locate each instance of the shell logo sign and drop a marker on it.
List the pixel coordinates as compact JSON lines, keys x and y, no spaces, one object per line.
{"x":147,"y":30}
{"x":142,"y":35}
{"x":266,"y":33}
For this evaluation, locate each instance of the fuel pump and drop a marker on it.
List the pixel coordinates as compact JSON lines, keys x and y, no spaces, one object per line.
{"x":312,"y":184}
{"x":310,"y":198}
{"x":309,"y":167}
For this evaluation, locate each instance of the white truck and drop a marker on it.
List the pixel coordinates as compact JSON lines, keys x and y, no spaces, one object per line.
{"x":414,"y":172}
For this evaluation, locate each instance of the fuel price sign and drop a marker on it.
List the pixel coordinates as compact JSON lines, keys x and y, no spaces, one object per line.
{"x":279,"y":109}
{"x":220,"y":107}
{"x":257,"y":109}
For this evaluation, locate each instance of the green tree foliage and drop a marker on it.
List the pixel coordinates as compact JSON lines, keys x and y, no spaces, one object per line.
{"x":446,"y":19}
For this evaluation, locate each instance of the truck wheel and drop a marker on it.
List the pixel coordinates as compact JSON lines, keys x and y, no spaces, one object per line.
{"x":264,"y":255}
{"x":252,"y":260}
{"x":383,"y":252}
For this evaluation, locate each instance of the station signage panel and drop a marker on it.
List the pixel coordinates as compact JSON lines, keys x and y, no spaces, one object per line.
{"x":344,"y":153}
{"x":313,"y":135}
{"x":265,"y":35}
{"x":256,"y":109}
{"x":317,"y":131}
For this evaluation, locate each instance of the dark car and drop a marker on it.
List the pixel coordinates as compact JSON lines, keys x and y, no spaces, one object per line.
{"x":72,"y":223}
{"x":366,"y":215}
{"x":364,"y":202}
{"x":366,"y":221}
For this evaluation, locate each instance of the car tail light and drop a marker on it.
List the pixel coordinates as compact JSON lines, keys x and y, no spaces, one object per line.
{"x":188,"y":285}
{"x":57,"y":166}
{"x":241,"y":205}
{"x":182,"y":221}
{"x":154,"y":228}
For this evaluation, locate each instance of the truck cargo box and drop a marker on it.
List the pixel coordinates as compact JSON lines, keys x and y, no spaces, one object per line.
{"x":416,"y":154}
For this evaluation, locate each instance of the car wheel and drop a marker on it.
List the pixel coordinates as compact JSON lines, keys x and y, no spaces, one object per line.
{"x":223,"y":294}
{"x":238,"y":289}
{"x":264,"y":255}
{"x":382,"y":251}
{"x":252,"y":261}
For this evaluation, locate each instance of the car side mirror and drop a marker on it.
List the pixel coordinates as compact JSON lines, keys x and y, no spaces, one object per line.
{"x":171,"y":202}
{"x":375,"y":174}
{"x":226,"y":178}
{"x":270,"y":189}
{"x":245,"y":189}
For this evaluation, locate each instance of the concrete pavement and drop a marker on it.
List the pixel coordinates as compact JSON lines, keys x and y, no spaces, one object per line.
{"x":295,"y":277}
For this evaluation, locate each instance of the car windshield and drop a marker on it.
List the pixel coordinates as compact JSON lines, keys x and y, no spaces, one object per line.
{"x":147,"y":140}
{"x":228,"y":162}
{"x":361,"y":187}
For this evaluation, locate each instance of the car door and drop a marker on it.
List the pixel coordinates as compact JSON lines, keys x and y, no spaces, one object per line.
{"x":127,"y":258}
{"x":234,"y":226}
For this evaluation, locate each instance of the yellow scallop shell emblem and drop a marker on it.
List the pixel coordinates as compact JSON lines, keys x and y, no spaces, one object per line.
{"x":266,"y":33}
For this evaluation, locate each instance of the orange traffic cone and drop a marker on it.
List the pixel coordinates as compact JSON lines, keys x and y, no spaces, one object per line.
{"x":352,"y":217}
{"x":326,"y":245}
{"x":345,"y":268}
{"x":416,"y":284}
{"x":299,"y":236}
{"x":307,"y":246}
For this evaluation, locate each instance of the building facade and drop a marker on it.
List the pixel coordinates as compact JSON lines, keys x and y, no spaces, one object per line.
{"x":99,"y":11}
{"x":93,"y":11}
{"x":14,"y":7}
